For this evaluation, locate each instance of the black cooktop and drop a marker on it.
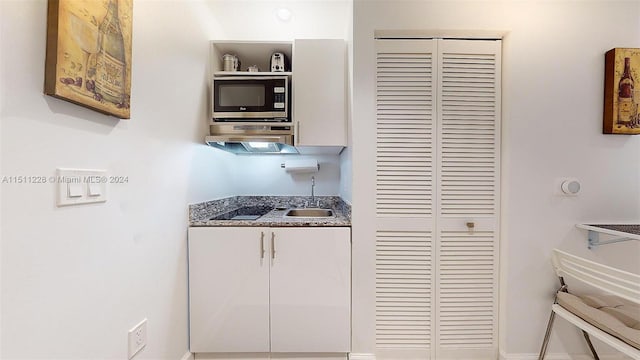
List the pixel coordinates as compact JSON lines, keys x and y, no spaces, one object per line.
{"x":244,"y":213}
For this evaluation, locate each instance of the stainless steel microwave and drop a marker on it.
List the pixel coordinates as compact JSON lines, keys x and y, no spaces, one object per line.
{"x":250,"y":98}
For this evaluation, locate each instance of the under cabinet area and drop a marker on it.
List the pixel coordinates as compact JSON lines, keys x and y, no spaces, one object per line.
{"x":260,"y":289}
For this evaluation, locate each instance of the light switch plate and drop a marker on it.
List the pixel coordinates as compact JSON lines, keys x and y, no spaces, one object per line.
{"x":81,"y":186}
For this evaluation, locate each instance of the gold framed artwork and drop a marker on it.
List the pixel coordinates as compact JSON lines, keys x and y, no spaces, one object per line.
{"x":621,"y":93}
{"x":88,"y":58}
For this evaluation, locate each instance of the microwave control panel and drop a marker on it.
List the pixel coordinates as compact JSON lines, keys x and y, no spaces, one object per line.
{"x":279,"y":100}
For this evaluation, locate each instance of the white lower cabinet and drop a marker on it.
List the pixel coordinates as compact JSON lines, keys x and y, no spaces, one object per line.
{"x":280,"y":290}
{"x":228,"y":290}
{"x":310,"y":290}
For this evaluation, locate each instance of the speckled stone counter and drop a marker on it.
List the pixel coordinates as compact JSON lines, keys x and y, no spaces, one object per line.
{"x":201,"y":214}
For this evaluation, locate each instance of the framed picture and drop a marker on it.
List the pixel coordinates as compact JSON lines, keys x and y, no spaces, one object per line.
{"x":88,"y":59}
{"x":621,"y":92}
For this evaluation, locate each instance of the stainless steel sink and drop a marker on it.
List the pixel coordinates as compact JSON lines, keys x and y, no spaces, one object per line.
{"x":309,"y":212}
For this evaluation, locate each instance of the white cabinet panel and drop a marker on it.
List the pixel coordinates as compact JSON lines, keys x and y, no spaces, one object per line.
{"x":319,"y":92}
{"x":228,"y":290}
{"x":310,"y":290}
{"x":259,"y":290}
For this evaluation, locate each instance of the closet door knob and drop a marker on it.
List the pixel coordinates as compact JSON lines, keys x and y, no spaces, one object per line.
{"x":471,"y":226}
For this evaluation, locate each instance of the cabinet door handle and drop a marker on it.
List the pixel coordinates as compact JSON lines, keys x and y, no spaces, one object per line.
{"x":273,"y":245}
{"x":262,"y":244}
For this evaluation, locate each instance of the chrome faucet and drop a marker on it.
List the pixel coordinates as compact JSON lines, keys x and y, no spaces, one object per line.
{"x":313,"y":185}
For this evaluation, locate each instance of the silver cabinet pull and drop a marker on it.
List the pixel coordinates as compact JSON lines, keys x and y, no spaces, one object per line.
{"x":273,"y":245}
{"x":262,"y":244}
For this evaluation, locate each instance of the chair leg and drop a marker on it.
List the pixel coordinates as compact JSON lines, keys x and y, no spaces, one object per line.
{"x":547,"y":335}
{"x":593,"y":350}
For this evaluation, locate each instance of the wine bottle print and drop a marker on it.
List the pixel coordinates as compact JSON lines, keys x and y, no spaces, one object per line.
{"x":627,"y":111}
{"x":88,"y":54}
{"x":85,"y":35}
{"x":110,"y":60}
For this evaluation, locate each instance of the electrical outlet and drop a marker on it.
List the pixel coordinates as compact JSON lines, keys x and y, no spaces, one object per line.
{"x":137,"y":338}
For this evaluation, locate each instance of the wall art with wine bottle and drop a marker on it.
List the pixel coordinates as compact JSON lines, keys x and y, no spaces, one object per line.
{"x":622,"y":92}
{"x":88,"y":58}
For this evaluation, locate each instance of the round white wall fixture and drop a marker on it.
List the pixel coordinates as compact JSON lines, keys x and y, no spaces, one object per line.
{"x":283,"y":14}
{"x":570,"y":187}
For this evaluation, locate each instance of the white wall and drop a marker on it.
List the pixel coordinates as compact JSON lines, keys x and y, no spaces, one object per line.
{"x":346,"y":179}
{"x":256,"y":19}
{"x":346,"y":175}
{"x":75,"y":279}
{"x":553,"y":58}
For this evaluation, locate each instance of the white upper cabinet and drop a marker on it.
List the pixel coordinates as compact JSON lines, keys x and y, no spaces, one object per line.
{"x":319,"y":92}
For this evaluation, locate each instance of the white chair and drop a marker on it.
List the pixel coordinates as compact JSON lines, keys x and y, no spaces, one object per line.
{"x":599,"y":324}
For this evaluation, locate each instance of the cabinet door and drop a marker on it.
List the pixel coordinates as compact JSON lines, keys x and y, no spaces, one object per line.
{"x":319,"y":92}
{"x":228,"y":289}
{"x":310,"y":290}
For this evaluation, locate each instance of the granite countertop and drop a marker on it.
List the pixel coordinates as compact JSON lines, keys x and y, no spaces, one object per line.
{"x":201,"y":214}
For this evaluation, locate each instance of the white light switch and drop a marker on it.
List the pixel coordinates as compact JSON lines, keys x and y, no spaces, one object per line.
{"x":74,"y":190}
{"x":95,"y":189}
{"x":79,"y":186}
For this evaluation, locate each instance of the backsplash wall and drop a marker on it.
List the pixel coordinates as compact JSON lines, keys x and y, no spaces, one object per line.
{"x":262,"y":175}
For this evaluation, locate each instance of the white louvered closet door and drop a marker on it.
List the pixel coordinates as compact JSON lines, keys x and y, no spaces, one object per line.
{"x":468,"y":116}
{"x":404,"y":198}
{"x":437,"y":197}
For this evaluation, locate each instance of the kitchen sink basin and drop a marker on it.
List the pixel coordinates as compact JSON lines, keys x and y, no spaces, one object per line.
{"x":309,"y":212}
{"x":244,"y":213}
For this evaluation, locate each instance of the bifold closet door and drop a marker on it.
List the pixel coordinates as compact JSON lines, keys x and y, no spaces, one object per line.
{"x":405,"y":105}
{"x":468,"y":158}
{"x":437,"y":184}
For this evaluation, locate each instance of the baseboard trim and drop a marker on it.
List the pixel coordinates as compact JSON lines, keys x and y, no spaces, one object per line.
{"x":361,"y":356}
{"x":559,"y":356}
{"x":187,"y":356}
{"x":503,"y":356}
